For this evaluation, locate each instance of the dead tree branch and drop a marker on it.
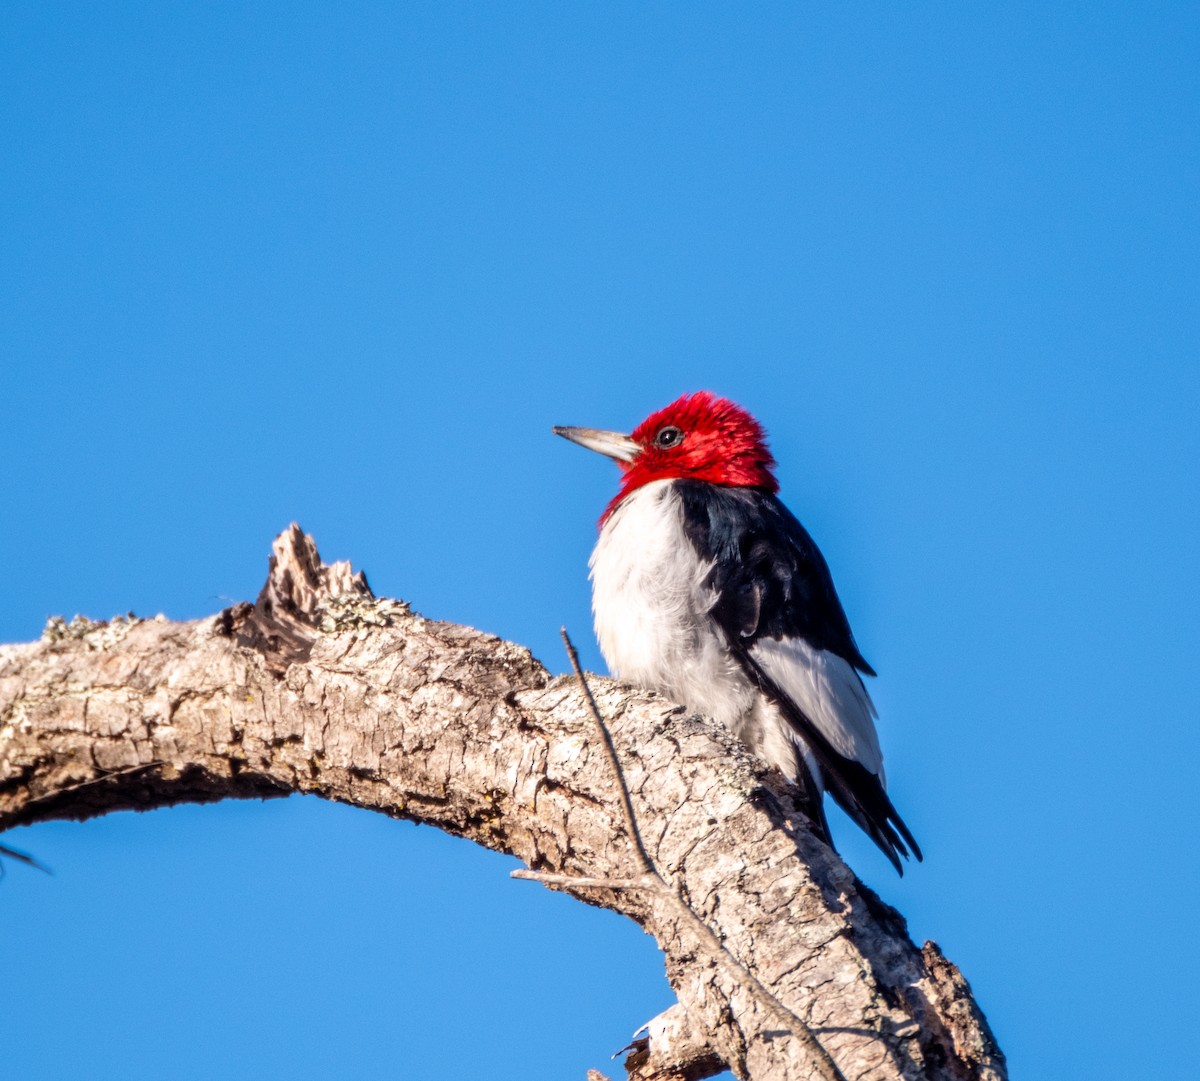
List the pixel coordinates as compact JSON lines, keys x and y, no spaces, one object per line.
{"x":825,"y":1068}
{"x":320,"y":687}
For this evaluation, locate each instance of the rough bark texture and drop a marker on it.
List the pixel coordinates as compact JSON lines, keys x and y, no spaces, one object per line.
{"x":321,"y":688}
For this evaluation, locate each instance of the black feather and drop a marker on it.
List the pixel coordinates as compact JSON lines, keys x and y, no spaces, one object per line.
{"x":770,"y":576}
{"x":856,"y":789}
{"x":771,"y":581}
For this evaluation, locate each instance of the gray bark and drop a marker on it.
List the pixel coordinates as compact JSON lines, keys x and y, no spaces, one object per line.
{"x":320,"y":687}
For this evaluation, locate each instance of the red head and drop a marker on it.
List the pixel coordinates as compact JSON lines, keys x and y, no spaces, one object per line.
{"x":699,"y":437}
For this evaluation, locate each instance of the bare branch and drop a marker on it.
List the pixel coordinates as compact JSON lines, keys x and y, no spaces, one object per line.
{"x":319,"y":687}
{"x":825,"y":1067}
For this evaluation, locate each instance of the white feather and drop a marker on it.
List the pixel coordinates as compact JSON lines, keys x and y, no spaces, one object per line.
{"x":651,"y":604}
{"x":829,"y":691}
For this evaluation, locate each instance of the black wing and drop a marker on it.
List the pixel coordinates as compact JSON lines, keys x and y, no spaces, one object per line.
{"x":772,"y":582}
{"x":770,"y":576}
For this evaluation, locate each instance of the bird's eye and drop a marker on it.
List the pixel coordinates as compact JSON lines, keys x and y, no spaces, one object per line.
{"x":668,"y":437}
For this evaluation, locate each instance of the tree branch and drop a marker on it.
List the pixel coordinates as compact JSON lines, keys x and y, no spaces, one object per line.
{"x":825,"y":1068}
{"x":319,"y":687}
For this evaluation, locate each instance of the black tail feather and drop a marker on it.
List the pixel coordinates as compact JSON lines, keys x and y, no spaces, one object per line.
{"x":810,"y":802}
{"x":858,"y":791}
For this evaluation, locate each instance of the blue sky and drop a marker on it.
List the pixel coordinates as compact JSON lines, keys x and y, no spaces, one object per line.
{"x":348,"y":264}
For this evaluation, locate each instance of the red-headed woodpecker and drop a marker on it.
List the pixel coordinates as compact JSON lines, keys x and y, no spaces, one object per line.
{"x":706,"y":589}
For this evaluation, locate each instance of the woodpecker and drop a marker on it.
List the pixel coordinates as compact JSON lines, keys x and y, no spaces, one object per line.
{"x":707,"y":589}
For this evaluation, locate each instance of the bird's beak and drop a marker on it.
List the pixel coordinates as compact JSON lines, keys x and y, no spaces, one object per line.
{"x":610,"y":444}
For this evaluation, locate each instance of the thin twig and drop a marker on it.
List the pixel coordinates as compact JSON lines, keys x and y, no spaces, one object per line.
{"x":23,"y":857}
{"x":647,"y":882}
{"x":647,"y":864}
{"x":826,"y":1067}
{"x":20,"y":857}
{"x":105,"y":776}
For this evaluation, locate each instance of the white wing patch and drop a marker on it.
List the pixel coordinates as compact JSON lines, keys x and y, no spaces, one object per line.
{"x":830,"y":693}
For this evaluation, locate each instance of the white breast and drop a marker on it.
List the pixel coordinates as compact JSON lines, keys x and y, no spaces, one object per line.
{"x":651,"y":604}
